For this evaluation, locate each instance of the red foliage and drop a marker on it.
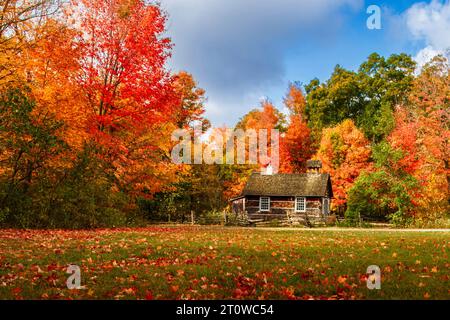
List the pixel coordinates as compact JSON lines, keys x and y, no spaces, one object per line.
{"x":295,"y":146}
{"x":123,"y":72}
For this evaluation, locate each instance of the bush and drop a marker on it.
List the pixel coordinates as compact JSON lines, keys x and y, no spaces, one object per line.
{"x":381,"y":195}
{"x":82,"y":198}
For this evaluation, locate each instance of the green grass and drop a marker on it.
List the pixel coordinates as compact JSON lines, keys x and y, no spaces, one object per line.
{"x":224,"y":263}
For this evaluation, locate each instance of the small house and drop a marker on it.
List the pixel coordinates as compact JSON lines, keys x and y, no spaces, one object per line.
{"x":292,"y":197}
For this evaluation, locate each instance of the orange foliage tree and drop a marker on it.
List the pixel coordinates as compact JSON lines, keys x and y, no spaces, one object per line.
{"x":295,"y":100}
{"x":190,"y":104}
{"x":345,"y":153}
{"x":128,"y":90}
{"x":423,"y":133}
{"x":52,"y":69}
{"x":296,"y":145}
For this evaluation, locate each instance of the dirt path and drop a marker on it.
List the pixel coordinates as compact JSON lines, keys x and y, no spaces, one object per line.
{"x":359,"y":229}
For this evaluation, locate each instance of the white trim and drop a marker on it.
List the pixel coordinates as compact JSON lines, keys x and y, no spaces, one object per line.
{"x":296,"y":204}
{"x":260,"y":204}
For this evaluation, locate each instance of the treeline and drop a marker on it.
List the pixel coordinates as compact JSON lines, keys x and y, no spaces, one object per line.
{"x":87,"y":111}
{"x":382,"y":132}
{"x":386,"y":141}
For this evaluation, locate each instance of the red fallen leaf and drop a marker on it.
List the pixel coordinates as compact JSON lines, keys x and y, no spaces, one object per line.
{"x":131,"y":291}
{"x":363,"y":278}
{"x":174,"y":288}
{"x":238,"y":293}
{"x":289,"y":293}
{"x":16,"y":291}
{"x":52,"y":267}
{"x":52,"y":279}
{"x":149,"y":295}
{"x":341,"y":279}
{"x":37,"y":269}
{"x":132,"y":278}
{"x":180,"y":272}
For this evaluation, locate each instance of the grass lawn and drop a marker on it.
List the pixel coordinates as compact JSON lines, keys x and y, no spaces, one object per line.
{"x":224,"y":263}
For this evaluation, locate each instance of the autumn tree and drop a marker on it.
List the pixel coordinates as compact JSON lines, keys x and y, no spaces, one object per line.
{"x":429,"y":111}
{"x":18,"y":19}
{"x":295,"y":100}
{"x":17,"y":16}
{"x":196,"y":187}
{"x":409,"y":182}
{"x":345,"y":153}
{"x":123,"y":63}
{"x":296,"y":145}
{"x":430,"y":98}
{"x":128,"y":90}
{"x":266,"y":117}
{"x":389,"y":191}
{"x":52,"y":70}
{"x":190,"y":109}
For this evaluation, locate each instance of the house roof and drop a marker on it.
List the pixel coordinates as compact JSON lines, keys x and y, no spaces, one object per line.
{"x":314,"y":164}
{"x":306,"y":185}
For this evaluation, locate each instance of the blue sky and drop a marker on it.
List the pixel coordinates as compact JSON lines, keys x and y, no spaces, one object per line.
{"x":243,"y":50}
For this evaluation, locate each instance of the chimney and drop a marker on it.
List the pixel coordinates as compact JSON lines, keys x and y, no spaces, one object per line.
{"x":314,"y":166}
{"x":267,"y":171}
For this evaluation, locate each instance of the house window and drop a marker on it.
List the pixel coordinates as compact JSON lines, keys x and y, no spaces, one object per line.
{"x":264,"y":204}
{"x":300,"y":204}
{"x":326,"y":206}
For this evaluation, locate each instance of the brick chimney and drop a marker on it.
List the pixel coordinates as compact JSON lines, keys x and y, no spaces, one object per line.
{"x":314,"y":166}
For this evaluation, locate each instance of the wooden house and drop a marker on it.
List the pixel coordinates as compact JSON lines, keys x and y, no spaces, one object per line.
{"x":292,"y":197}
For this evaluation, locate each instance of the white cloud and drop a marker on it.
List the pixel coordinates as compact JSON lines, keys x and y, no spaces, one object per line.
{"x":236,"y":48}
{"x":426,"y":54}
{"x":430,"y":23}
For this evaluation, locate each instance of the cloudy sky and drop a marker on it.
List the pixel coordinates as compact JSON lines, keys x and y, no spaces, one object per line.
{"x":243,"y":50}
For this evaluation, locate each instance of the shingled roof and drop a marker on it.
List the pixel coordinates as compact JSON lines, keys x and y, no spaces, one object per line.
{"x":299,"y":185}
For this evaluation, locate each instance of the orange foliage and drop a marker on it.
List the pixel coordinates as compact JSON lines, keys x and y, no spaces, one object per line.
{"x":345,"y":153}
{"x":295,"y":100}
{"x":296,"y":147}
{"x":52,"y":68}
